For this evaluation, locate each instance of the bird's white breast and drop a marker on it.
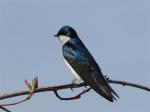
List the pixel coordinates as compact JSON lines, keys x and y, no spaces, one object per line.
{"x":72,"y":70}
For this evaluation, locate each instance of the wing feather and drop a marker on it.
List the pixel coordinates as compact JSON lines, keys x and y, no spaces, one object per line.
{"x":86,"y":67}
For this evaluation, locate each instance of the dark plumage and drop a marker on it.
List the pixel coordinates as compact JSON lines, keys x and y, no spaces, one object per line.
{"x":80,"y":59}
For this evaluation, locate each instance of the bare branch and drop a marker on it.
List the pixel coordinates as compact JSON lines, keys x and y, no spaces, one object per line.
{"x":42,"y":89}
{"x":124,"y":83}
{"x":68,"y":86}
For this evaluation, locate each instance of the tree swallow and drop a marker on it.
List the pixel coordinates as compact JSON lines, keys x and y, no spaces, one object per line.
{"x":82,"y":64}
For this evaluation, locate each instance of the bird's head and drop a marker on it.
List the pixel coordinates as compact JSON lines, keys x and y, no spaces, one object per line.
{"x":65,"y":34}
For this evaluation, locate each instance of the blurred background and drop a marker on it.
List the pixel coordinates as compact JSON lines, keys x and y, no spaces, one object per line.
{"x":117,"y":33}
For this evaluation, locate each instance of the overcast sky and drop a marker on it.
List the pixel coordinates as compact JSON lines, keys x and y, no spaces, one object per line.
{"x":116,"y":32}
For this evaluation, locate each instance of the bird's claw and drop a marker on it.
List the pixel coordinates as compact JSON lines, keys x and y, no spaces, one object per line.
{"x":73,"y":82}
{"x":85,"y":86}
{"x":106,"y":77}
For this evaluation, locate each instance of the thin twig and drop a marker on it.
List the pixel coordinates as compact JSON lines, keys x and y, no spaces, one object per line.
{"x":78,"y":96}
{"x":124,"y":83}
{"x":5,"y":109}
{"x":18,"y":102}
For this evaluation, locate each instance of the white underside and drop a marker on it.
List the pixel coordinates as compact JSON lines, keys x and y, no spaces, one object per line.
{"x":73,"y":71}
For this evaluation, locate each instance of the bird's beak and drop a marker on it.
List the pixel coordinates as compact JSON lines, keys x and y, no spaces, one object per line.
{"x":56,"y":35}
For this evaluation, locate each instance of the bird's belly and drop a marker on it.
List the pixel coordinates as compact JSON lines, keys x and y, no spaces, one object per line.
{"x":72,"y":70}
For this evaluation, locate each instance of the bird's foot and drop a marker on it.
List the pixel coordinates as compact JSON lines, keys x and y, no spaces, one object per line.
{"x":73,"y":82}
{"x":106,"y":77}
{"x":85,"y":86}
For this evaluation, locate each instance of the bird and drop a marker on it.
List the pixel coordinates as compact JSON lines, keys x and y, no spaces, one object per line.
{"x":82,"y":64}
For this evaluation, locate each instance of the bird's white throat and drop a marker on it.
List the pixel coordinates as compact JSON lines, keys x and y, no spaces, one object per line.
{"x":63,"y":39}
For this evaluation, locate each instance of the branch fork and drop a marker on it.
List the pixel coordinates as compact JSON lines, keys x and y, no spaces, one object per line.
{"x":33,"y":88}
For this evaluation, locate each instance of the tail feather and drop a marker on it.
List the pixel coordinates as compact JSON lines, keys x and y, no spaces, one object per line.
{"x":107,"y":92}
{"x":113,"y":92}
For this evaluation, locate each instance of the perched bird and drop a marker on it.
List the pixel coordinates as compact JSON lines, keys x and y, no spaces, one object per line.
{"x":82,"y":64}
